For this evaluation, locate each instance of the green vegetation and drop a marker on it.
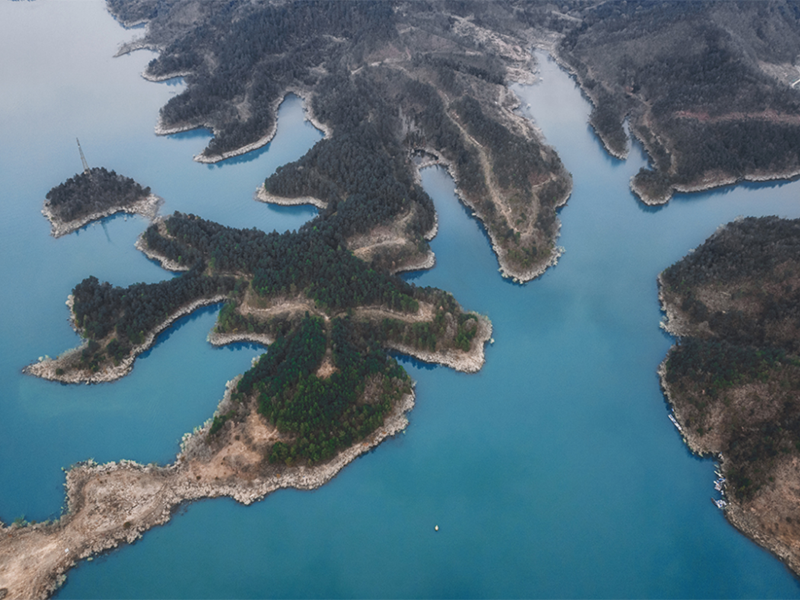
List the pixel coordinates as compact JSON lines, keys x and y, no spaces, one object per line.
{"x":93,"y":192}
{"x":704,"y":84}
{"x":318,"y":410}
{"x":311,"y":260}
{"x":114,"y":319}
{"x":244,"y":51}
{"x":232,"y":321}
{"x":734,"y":376}
{"x":450,"y":328}
{"x":320,"y":414}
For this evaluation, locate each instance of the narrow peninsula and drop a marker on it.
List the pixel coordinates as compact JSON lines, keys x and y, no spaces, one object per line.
{"x":733,"y":378}
{"x":386,"y":82}
{"x":114,"y":503}
{"x":327,"y":390}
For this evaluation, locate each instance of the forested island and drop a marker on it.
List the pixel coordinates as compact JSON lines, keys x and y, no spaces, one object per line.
{"x":94,"y":194}
{"x":733,"y":378}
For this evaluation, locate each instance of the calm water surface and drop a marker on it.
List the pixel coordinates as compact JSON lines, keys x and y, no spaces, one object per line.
{"x":553,"y":472}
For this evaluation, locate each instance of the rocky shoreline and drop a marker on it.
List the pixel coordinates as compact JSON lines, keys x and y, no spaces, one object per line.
{"x":48,"y":367}
{"x":708,"y":183}
{"x":551,"y":49}
{"x":688,"y":437}
{"x":147,"y":206}
{"x":672,"y":322}
{"x":428,"y":261}
{"x":115,"y":503}
{"x":748,"y":517}
{"x":505,"y":270}
{"x":162,"y":129}
{"x":423,"y":263}
{"x":743,"y":520}
{"x":743,"y":516}
{"x":615,"y":153}
{"x":166,"y":263}
{"x":466,"y":362}
{"x":262,"y":195}
{"x":160,"y":78}
{"x":220,"y":339}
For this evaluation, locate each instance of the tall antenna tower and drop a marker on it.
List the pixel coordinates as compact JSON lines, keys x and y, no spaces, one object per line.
{"x":83,"y":158}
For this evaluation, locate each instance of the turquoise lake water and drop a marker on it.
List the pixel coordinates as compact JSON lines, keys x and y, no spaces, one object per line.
{"x":554,"y":472}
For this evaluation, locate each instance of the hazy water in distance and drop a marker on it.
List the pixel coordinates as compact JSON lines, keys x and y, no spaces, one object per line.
{"x":554,"y":472}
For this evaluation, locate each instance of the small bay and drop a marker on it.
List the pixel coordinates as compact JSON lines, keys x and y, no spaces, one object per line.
{"x":553,"y":472}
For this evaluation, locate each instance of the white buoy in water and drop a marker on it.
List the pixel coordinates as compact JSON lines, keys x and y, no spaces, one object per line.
{"x":436,"y":528}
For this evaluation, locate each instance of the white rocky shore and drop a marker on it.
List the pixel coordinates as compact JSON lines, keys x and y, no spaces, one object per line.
{"x":433,"y":158}
{"x":422,"y":263}
{"x":62,"y":368}
{"x":262,"y":195}
{"x":220,"y":339}
{"x":709,"y":182}
{"x":466,"y":362}
{"x":147,"y":206}
{"x":163,"y":129}
{"x":115,"y":503}
{"x":166,"y":263}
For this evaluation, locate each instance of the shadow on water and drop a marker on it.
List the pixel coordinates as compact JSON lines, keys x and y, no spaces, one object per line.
{"x":191,"y":134}
{"x":212,"y":309}
{"x":610,"y":159}
{"x":410,"y":276}
{"x":169,"y":331}
{"x":312,"y":211}
{"x":104,"y":225}
{"x":158,"y":264}
{"x":466,"y":211}
{"x":247,"y":157}
{"x":120,"y":216}
{"x":236,"y":346}
{"x":252,"y":155}
{"x":405,"y":359}
{"x":733,"y":188}
{"x":647,"y":208}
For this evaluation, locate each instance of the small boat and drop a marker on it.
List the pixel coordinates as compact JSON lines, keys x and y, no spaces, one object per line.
{"x":675,"y":422}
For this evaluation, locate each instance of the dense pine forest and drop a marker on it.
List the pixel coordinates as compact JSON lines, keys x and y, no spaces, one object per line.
{"x":387,"y":80}
{"x":734,"y":376}
{"x":311,"y":261}
{"x":318,"y":412}
{"x":93,"y":191}
{"x":706,"y":86}
{"x":320,"y":415}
